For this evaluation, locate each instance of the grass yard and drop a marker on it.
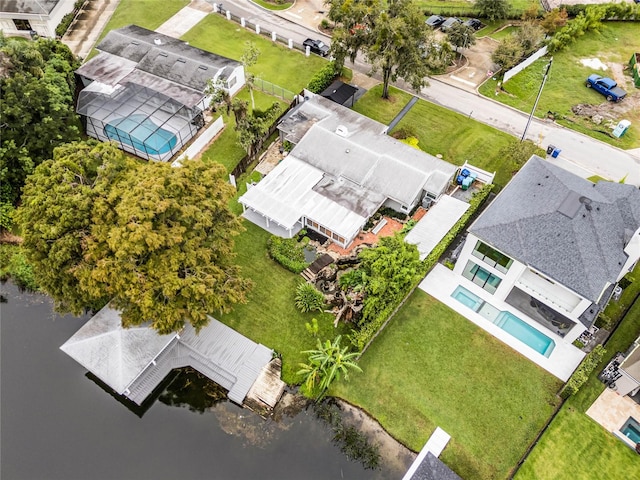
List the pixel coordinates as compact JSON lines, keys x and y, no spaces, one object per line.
{"x":373,"y":106}
{"x":566,"y":84}
{"x":449,"y":6}
{"x":277,"y":64}
{"x":504,"y":33}
{"x":458,"y":138}
{"x":270,"y":316}
{"x":226,"y":149}
{"x":574,"y":447}
{"x":431,"y":367}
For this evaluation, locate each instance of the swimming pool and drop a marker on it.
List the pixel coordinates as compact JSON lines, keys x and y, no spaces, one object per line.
{"x":508,"y":322}
{"x":631,"y":430}
{"x":139,"y":132}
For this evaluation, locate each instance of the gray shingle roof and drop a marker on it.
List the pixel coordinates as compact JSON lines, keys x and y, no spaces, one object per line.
{"x":363,"y":154}
{"x":562,"y":225}
{"x":35,"y":7}
{"x":432,"y":468}
{"x":166,"y":57}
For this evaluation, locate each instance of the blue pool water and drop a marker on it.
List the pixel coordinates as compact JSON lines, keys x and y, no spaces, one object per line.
{"x":140,"y":132}
{"x":467,"y":298}
{"x":508,"y":322}
{"x":631,"y":430}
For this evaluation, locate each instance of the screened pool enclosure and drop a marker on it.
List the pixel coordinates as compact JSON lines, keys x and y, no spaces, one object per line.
{"x":141,"y":121}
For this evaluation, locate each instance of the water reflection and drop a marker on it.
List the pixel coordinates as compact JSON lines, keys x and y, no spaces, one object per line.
{"x":56,"y":424}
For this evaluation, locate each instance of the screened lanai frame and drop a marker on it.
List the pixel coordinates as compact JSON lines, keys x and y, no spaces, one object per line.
{"x":142,"y":121}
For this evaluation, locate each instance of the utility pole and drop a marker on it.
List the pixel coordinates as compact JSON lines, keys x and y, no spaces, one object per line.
{"x":544,"y":79}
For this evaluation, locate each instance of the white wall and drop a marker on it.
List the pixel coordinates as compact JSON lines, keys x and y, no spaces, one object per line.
{"x":238,"y":74}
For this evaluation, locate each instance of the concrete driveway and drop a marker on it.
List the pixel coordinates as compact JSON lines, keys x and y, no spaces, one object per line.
{"x":478,"y":67}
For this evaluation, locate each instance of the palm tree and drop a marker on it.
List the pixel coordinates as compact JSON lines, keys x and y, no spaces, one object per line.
{"x":327,"y":363}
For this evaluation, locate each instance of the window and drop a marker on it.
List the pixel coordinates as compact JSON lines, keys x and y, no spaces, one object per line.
{"x":481,"y":277}
{"x":492,"y":257}
{"x":231,"y":82}
{"x":22,"y":24}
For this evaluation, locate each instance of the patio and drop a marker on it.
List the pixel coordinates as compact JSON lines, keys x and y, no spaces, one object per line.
{"x":561,"y":362}
{"x":612,"y":410}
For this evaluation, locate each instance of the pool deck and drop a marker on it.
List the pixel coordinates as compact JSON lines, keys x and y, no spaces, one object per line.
{"x":441,"y":282}
{"x":611,"y":411}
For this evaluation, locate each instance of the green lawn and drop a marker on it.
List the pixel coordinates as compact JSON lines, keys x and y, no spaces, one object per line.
{"x":289,"y":69}
{"x":273,"y":6}
{"x":270,"y":316}
{"x":448,"y":6}
{"x":566,"y":84}
{"x":374,"y":106}
{"x":504,"y":33}
{"x":575,"y":447}
{"x":458,"y":138}
{"x":144,"y":13}
{"x":226,"y":149}
{"x":431,"y":367}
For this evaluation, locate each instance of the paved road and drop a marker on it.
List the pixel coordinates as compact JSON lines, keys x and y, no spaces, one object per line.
{"x":581,"y":154}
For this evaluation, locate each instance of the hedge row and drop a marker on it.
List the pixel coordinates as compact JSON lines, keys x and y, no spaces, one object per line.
{"x":323,"y":78}
{"x":65,"y":23}
{"x":363,"y":337}
{"x":581,"y":375}
{"x":288,"y":252}
{"x":612,"y":11}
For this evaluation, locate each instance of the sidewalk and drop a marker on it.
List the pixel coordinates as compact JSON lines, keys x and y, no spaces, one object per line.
{"x":88,"y":26}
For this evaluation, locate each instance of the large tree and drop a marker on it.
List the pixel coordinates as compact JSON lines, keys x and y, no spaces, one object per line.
{"x":391,"y":34}
{"x":493,"y":9}
{"x":36,"y":108}
{"x":155,"y":240}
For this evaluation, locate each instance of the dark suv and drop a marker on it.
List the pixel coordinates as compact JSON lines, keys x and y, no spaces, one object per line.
{"x":473,"y":23}
{"x":317,"y":46}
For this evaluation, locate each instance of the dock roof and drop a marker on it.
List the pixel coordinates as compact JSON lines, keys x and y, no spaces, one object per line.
{"x":134,"y":361}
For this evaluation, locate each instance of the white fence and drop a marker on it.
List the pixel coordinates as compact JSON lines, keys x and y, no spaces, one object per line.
{"x":201,"y":142}
{"x":481,"y":175}
{"x":522,"y":65}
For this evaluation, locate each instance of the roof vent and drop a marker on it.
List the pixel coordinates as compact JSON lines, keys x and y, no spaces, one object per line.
{"x":342,"y":131}
{"x":157,"y":41}
{"x":586,"y":202}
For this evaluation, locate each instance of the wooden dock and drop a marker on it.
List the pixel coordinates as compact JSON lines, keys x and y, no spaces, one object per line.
{"x":266,"y":391}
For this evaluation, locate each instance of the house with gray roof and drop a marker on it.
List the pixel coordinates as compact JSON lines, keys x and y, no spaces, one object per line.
{"x":342,"y":169}
{"x":21,"y":17}
{"x":553,"y":246}
{"x":147,"y":91}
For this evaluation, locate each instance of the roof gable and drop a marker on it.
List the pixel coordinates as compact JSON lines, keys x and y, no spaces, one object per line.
{"x":566,"y":227}
{"x":93,"y":347}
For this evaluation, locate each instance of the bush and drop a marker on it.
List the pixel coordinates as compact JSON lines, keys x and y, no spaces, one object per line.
{"x":65,"y":23}
{"x":14,"y":264}
{"x":352,"y":279}
{"x":308,"y":298}
{"x":581,"y":375}
{"x":323,"y":78}
{"x":288,"y":252}
{"x":586,"y":21}
{"x":6,"y":215}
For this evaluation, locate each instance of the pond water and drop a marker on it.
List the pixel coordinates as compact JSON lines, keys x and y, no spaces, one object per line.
{"x":58,"y":424}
